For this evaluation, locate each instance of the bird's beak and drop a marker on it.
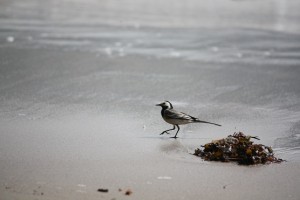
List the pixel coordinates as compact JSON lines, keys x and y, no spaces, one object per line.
{"x":158,"y":105}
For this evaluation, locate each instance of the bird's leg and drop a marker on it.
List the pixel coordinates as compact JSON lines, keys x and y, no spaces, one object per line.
{"x":176,"y":132}
{"x":166,"y":131}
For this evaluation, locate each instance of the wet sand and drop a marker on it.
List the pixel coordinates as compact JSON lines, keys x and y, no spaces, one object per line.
{"x":61,"y":147}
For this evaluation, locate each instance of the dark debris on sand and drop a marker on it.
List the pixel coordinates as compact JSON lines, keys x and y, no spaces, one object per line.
{"x":237,"y":148}
{"x":102,"y":190}
{"x":128,"y":192}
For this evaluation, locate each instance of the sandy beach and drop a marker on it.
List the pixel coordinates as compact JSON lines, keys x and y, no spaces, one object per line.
{"x":79,"y":82}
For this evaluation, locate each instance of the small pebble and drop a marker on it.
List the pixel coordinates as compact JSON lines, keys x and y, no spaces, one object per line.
{"x":102,"y":190}
{"x":128,"y":192}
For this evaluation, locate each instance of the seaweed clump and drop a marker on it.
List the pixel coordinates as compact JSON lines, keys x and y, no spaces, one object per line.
{"x":237,"y":148}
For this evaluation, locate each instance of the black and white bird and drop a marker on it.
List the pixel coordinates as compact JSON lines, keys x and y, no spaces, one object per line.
{"x":177,"y":118}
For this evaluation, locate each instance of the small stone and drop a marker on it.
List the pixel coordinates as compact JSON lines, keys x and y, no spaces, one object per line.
{"x":128,"y":192}
{"x":102,"y":190}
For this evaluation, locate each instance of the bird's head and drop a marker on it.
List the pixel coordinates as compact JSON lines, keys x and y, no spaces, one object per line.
{"x":166,"y":105}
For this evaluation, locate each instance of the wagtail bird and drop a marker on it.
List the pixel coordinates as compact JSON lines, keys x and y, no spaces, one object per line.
{"x":177,"y":118}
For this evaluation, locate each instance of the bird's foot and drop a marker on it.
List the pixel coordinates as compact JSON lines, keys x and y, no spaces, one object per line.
{"x":175,"y":137}
{"x":164,"y":133}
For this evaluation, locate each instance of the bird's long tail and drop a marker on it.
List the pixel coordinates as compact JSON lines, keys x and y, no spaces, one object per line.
{"x":200,"y":121}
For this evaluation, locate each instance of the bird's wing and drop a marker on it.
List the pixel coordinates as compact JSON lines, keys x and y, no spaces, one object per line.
{"x":174,"y":114}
